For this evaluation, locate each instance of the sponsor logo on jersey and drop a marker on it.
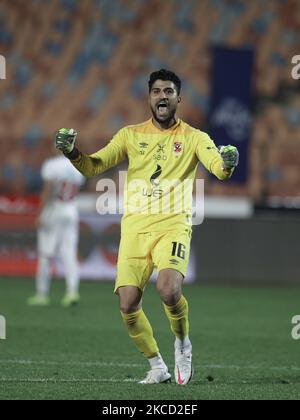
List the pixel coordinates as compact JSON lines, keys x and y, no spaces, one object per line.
{"x":155,"y":191}
{"x":155,"y":175}
{"x":175,"y":262}
{"x":160,"y":153}
{"x":161,"y":148}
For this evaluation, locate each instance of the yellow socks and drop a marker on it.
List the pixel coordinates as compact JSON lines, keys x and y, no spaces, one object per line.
{"x":141,"y":332}
{"x":178,"y":317}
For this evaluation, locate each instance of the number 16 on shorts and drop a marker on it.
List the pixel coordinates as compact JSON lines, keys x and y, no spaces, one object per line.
{"x":178,"y":250}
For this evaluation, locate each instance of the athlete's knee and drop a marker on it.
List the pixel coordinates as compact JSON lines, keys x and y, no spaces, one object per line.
{"x":169,"y":286}
{"x":130,"y":299}
{"x":128,"y":308}
{"x":170,"y":295}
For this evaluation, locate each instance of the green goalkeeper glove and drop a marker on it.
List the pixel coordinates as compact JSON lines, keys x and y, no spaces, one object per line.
{"x":65,"y":139}
{"x":230,"y":156}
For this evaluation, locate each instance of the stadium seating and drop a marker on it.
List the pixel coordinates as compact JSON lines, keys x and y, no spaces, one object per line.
{"x":85,"y":64}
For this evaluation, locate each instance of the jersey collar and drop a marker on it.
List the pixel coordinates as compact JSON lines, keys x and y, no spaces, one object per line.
{"x":168,"y":129}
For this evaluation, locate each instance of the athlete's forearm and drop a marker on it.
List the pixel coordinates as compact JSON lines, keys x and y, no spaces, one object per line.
{"x":97,"y":163}
{"x":73,"y":155}
{"x":91,"y":165}
{"x":212,"y":159}
{"x":218,"y":170}
{"x":87,"y":165}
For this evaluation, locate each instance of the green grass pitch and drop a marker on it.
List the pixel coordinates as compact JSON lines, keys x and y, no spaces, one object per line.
{"x":242,"y":345}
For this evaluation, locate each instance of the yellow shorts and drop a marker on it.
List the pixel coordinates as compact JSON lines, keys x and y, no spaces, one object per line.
{"x":140,"y":253}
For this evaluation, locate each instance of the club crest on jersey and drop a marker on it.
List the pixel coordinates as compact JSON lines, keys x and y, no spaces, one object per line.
{"x":178,"y":147}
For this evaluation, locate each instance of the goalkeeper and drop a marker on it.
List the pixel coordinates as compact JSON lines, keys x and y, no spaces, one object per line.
{"x":164,"y":148}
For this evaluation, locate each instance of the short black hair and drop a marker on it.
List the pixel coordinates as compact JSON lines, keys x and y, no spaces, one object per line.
{"x":164,"y":74}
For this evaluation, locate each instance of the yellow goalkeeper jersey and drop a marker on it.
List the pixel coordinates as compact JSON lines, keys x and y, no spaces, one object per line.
{"x":161,"y":171}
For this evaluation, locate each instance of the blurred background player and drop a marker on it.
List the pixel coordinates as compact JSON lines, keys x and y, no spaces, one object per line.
{"x":58,"y":226}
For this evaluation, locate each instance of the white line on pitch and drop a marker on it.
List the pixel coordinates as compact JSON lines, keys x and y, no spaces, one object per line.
{"x":113,"y":364}
{"x":72,"y":380}
{"x":55,"y":363}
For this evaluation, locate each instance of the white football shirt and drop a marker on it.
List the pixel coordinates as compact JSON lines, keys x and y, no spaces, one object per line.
{"x":64,"y":177}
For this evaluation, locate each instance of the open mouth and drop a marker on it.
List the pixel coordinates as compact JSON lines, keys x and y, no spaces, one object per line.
{"x":162,"y":109}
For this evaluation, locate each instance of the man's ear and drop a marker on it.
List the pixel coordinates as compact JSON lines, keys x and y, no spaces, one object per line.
{"x":179,"y":99}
